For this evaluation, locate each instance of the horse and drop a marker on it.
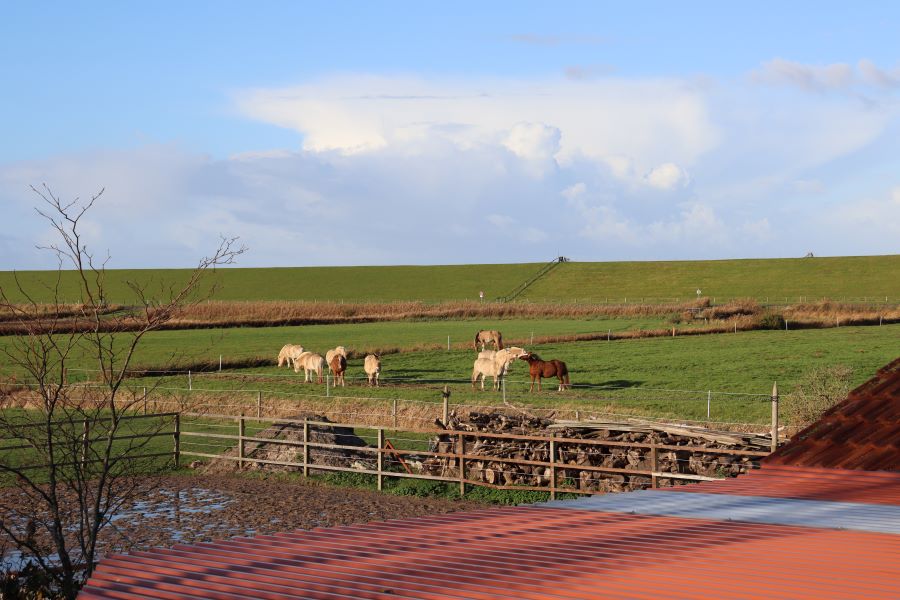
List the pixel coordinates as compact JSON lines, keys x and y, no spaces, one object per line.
{"x":496,"y":365}
{"x":488,"y":336}
{"x":288,"y":354}
{"x":538,"y":369}
{"x":372,"y":366}
{"x":310,"y":362}
{"x":338,"y":366}
{"x":331,"y":353}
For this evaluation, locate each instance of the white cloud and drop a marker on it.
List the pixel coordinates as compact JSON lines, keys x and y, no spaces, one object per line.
{"x":824,"y":78}
{"x":396,"y":170}
{"x":574,"y":191}
{"x":533,"y":141}
{"x":809,"y":77}
{"x":647,"y":122}
{"x":667,"y":176}
{"x":873,"y":75}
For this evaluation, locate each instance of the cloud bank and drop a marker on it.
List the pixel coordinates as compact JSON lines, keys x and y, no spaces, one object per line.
{"x":410,"y":170}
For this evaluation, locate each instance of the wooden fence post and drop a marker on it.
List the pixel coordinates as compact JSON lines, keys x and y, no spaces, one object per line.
{"x":177,"y":436}
{"x":654,"y":466}
{"x":259,"y":404}
{"x":552,"y":469}
{"x":305,"y":448}
{"x":445,"y":410}
{"x":460,"y":454}
{"x":190,"y":383}
{"x":145,"y":400}
{"x":380,"y":458}
{"x":775,"y":417}
{"x":394,"y":412}
{"x":241,"y":430}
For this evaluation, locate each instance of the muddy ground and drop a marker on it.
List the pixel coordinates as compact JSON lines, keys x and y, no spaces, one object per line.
{"x":201,"y":508}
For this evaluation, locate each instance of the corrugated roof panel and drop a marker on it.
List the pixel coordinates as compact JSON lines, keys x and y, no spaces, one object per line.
{"x":862,"y":432}
{"x":527,"y":552}
{"x":840,"y":485}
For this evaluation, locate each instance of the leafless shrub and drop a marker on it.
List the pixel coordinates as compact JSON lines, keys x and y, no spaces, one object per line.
{"x":72,"y":452}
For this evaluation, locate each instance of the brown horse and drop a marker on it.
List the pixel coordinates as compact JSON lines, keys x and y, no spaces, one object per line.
{"x":538,"y":369}
{"x":338,"y":365}
{"x":487,"y":336}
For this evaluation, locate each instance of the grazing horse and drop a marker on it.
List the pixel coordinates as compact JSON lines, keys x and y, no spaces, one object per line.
{"x":488,"y":336}
{"x":372,"y":366}
{"x":310,"y":362}
{"x":288,"y":354}
{"x":538,"y":369}
{"x":338,"y":365}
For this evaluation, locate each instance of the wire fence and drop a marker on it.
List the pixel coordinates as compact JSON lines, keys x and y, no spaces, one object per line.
{"x":396,"y":403}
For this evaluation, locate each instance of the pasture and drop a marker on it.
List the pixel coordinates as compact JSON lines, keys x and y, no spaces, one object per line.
{"x":163,"y":348}
{"x":653,"y":376}
{"x":779,"y":280}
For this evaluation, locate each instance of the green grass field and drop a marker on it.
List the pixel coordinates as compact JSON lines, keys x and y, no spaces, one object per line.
{"x":162,"y":347}
{"x":648,"y":374}
{"x":872,"y":277}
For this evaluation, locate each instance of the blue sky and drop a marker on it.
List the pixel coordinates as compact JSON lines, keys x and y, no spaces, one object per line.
{"x":392,"y":133}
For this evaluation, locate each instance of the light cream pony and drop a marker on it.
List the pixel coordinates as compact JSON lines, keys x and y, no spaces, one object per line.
{"x":495,"y":366}
{"x":288,"y":354}
{"x":331,"y":353}
{"x":372,"y":365}
{"x":310,"y":362}
{"x":488,"y":336}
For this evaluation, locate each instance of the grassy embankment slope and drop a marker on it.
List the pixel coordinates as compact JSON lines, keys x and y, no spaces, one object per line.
{"x":838,"y":277}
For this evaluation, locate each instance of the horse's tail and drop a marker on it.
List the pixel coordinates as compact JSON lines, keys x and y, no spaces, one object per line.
{"x":474,"y":377}
{"x":564,"y":375}
{"x":475,"y":343}
{"x":499,"y":341}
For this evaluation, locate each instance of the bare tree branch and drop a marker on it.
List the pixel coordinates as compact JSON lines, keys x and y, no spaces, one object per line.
{"x":73,"y":451}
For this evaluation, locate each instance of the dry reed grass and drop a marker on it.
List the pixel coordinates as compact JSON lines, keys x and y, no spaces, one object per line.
{"x":740,"y":315}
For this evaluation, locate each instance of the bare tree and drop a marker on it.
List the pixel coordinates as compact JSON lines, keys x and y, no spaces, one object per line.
{"x":75,"y":451}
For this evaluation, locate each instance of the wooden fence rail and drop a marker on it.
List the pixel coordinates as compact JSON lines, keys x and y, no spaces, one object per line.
{"x":460,"y":455}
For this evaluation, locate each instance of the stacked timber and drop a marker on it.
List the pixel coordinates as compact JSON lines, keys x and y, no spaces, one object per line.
{"x":613,"y":456}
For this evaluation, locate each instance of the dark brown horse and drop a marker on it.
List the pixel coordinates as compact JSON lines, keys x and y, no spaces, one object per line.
{"x":538,"y":369}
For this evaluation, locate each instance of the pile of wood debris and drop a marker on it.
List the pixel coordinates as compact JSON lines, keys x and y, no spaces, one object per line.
{"x":268,"y":455}
{"x":572,"y":457}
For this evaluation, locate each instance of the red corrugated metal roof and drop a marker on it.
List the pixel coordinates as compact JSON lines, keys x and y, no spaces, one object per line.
{"x":525,"y":552}
{"x":862,"y":432}
{"x":836,"y":485}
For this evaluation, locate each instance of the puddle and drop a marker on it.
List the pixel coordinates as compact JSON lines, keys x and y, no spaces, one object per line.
{"x":175,"y":514}
{"x":171,"y":504}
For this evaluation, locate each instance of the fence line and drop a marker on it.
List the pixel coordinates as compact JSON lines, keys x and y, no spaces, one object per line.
{"x":227,"y":374}
{"x":548,"y":471}
{"x":622,"y":403}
